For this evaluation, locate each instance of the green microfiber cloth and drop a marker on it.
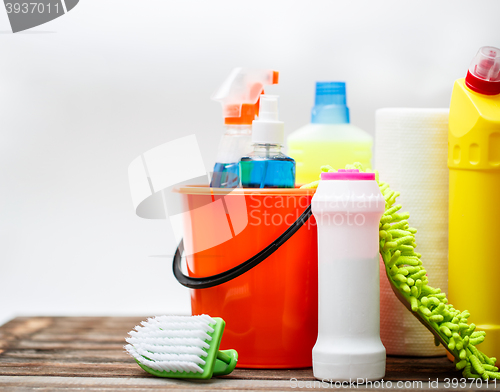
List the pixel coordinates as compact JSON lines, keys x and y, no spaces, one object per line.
{"x":409,"y":281}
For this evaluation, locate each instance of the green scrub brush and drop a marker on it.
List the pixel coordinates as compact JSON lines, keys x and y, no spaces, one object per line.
{"x":181,"y":347}
{"x":409,"y":281}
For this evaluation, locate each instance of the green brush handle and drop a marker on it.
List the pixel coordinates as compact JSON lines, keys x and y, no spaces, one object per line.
{"x":225,"y":362}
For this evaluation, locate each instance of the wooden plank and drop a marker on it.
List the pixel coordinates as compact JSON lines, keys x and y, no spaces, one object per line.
{"x":87,"y":329}
{"x":83,"y":337}
{"x":29,"y":344}
{"x":74,"y":323}
{"x":21,"y":327}
{"x":73,"y":370}
{"x":96,"y":323}
{"x":126,"y":384}
{"x":97,"y":356}
{"x":83,"y":348}
{"x":100,"y":384}
{"x":15,"y":366}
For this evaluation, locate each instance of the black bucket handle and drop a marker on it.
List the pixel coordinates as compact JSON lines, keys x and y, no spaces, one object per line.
{"x":226,"y":276}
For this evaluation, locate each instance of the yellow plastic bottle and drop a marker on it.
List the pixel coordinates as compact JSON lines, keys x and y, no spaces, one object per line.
{"x":474,"y":208}
{"x":329,"y":138}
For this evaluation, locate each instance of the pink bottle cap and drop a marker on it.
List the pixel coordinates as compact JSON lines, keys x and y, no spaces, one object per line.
{"x":349,"y":174}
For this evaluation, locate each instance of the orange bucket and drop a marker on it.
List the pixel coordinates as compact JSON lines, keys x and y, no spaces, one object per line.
{"x":271,"y":310}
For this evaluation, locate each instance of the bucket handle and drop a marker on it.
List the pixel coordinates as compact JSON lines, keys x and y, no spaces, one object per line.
{"x":226,"y":276}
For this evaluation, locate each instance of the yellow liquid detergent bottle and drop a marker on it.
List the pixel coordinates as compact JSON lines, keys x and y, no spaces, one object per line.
{"x":474,"y":208}
{"x":329,"y":139}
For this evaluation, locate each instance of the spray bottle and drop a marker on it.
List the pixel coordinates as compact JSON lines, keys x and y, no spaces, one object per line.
{"x":474,"y":208}
{"x":239,"y":96}
{"x":329,"y":138}
{"x":267,"y":166}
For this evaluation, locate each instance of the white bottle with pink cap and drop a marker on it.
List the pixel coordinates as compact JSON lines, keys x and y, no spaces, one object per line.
{"x":348,"y":206}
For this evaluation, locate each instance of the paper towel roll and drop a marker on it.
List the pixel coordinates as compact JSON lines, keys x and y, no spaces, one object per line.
{"x":411,"y":147}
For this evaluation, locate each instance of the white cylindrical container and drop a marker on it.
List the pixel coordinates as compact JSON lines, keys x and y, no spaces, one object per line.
{"x":411,"y":149}
{"x":348,"y":206}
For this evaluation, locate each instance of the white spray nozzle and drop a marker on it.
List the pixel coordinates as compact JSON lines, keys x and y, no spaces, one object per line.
{"x":268,"y":108}
{"x":268,"y":129}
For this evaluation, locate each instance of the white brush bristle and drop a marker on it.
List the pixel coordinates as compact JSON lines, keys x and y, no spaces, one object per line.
{"x":171,"y":343}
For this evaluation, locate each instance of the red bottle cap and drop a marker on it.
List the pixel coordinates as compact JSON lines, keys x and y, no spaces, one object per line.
{"x":483,"y":75}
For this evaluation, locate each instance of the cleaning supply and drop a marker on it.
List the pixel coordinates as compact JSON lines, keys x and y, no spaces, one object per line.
{"x":411,"y":149}
{"x":181,"y":347}
{"x":329,"y":137}
{"x":267,"y":166}
{"x":348,"y":206}
{"x":474,"y":210}
{"x":408,"y":279}
{"x":227,"y":234}
{"x":264,"y":281}
{"x":239,"y":96}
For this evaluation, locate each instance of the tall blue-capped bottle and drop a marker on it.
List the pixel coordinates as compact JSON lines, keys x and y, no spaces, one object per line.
{"x":267,"y":166}
{"x":330,"y":138}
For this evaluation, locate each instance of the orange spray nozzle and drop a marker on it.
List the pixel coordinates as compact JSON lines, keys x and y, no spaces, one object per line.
{"x":239,"y":94}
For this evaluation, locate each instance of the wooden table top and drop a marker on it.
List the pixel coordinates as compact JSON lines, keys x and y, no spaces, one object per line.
{"x":86,"y":353}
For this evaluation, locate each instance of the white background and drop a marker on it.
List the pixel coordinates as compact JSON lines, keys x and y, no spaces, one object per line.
{"x":85,"y":94}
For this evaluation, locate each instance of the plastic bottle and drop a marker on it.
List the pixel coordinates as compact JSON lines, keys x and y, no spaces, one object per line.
{"x":267,"y":166}
{"x":239,"y":96}
{"x":329,"y":138}
{"x":474,"y":208}
{"x":348,"y":206}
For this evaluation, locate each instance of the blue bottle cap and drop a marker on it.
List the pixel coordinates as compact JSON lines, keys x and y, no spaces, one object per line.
{"x":330,"y":104}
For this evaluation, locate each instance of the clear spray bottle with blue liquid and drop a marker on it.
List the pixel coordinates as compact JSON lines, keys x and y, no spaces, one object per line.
{"x":267,"y":166}
{"x":239,"y":96}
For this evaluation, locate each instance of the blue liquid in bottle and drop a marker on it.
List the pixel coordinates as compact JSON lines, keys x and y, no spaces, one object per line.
{"x":226,"y":175}
{"x":267,"y":167}
{"x":235,"y":143}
